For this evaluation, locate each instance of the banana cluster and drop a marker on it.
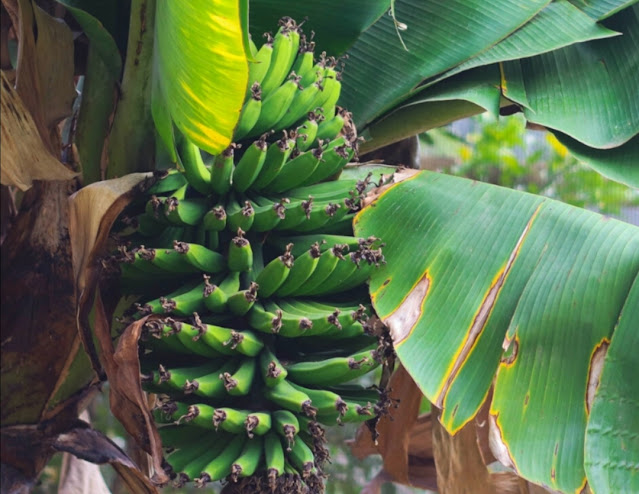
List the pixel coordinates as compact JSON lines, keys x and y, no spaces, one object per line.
{"x":255,"y":288}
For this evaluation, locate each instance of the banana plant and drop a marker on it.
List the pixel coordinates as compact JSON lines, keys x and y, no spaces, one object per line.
{"x":519,"y":303}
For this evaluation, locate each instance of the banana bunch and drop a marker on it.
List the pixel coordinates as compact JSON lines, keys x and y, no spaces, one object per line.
{"x":254,"y":288}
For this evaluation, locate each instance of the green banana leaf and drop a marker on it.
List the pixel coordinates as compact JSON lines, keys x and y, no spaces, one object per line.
{"x":608,"y":445}
{"x":620,"y":164}
{"x":440,"y":34}
{"x":464,"y":95}
{"x":104,"y":68}
{"x":588,"y":90}
{"x":110,"y":17}
{"x":100,"y":38}
{"x":474,"y":270}
{"x":600,"y":9}
{"x":336,"y":23}
{"x":559,"y":24}
{"x":201,"y":70}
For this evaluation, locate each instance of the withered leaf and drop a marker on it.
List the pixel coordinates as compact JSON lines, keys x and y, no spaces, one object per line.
{"x":88,"y":444}
{"x":24,"y":156}
{"x":93,"y":209}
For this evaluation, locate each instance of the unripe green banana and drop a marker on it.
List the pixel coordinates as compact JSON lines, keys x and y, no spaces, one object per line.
{"x":231,"y":283}
{"x":223,"y":340}
{"x":351,"y":333}
{"x":198,"y":176}
{"x":276,"y":155}
{"x":214,"y":297}
{"x":302,"y":458}
{"x":190,"y":339}
{"x":275,"y":106}
{"x":246,"y":464}
{"x":332,"y":88}
{"x":300,"y":271}
{"x":181,"y":459}
{"x":354,"y":412}
{"x":160,"y":260}
{"x":212,"y":240}
{"x":323,"y":214}
{"x":303,"y":102}
{"x":250,"y":164}
{"x":239,"y":216}
{"x":327,"y":263}
{"x":170,"y":412}
{"x":285,"y":395}
{"x":344,"y":270}
{"x":200,"y":257}
{"x":295,"y":213}
{"x":271,"y":368}
{"x":324,"y":400}
{"x":250,"y":112}
{"x":270,"y":215}
{"x":216,"y":443}
{"x":185,"y":212}
{"x":167,"y":181}
{"x":296,"y":171}
{"x":176,"y":209}
{"x":179,"y":304}
{"x":259,"y":68}
{"x":281,"y":60}
{"x":222,"y":170}
{"x":273,"y":457}
{"x":307,"y":131}
{"x":240,"y":255}
{"x":323,"y":319}
{"x":239,"y":383}
{"x":210,"y":385}
{"x":177,"y":436}
{"x":258,"y":423}
{"x":230,"y":419}
{"x":357,"y":392}
{"x":275,"y":273}
{"x":286,"y":424}
{"x":149,"y":226}
{"x":295,"y":36}
{"x":335,"y":159}
{"x":303,"y":65}
{"x":324,"y":241}
{"x":332,"y":125}
{"x":239,"y":303}
{"x":334,"y":370}
{"x":180,"y":380}
{"x":220,"y":467}
{"x":215,"y":219}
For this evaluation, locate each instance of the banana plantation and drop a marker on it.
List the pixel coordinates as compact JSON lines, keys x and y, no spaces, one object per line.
{"x":215,"y":219}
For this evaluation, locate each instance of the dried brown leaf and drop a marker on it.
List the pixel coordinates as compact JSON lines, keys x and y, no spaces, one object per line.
{"x":395,"y":430}
{"x":93,"y":209}
{"x":24,"y":157}
{"x":128,"y":401}
{"x":460,"y":467}
{"x":44,"y":78}
{"x":90,"y":445}
{"x":421,"y":464}
{"x":54,"y":58}
{"x":462,"y":459}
